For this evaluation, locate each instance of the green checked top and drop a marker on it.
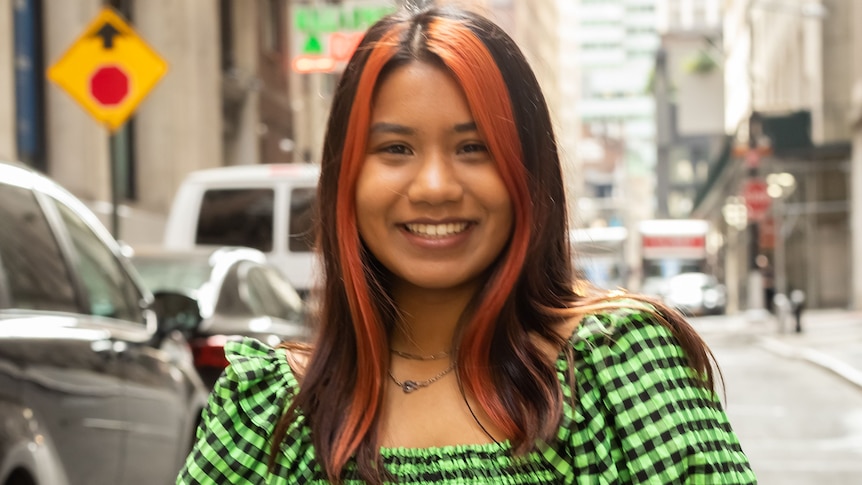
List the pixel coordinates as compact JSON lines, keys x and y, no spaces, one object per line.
{"x":636,"y":418}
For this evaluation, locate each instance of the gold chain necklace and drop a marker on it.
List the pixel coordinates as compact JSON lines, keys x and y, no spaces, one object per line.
{"x":409,"y":386}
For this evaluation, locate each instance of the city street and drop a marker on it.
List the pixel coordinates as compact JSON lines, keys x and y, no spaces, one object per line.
{"x":175,"y":176}
{"x":799,"y":422}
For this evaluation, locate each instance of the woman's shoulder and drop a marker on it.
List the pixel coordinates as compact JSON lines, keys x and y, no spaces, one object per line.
{"x":250,"y":361}
{"x":616,"y":314}
{"x":246,"y":404}
{"x":618,"y":332}
{"x":259,"y":379}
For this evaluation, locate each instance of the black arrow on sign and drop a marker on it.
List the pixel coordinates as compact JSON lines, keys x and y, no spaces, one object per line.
{"x":107,"y":32}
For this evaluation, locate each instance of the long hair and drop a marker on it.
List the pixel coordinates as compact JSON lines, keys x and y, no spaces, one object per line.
{"x":528,"y":291}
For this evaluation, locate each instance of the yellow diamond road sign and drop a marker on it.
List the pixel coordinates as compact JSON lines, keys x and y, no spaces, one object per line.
{"x":109,"y":69}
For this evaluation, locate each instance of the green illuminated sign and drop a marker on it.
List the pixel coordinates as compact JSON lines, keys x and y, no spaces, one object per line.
{"x":333,"y":18}
{"x":312,"y":46}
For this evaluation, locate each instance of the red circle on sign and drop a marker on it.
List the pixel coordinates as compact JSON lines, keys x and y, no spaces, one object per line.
{"x":109,"y":85}
{"x":757,"y":200}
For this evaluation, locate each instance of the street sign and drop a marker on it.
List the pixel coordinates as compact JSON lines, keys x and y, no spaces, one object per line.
{"x":109,"y":69}
{"x":327,"y":35}
{"x":757,"y":200}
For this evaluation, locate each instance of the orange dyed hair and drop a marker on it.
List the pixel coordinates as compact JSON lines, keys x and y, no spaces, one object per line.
{"x":460,"y":51}
{"x":344,"y":381}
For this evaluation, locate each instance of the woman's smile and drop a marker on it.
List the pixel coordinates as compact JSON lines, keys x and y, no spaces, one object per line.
{"x":437,"y":231}
{"x":438,"y":237}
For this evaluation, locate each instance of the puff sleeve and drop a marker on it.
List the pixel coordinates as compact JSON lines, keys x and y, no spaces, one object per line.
{"x":233,"y":439}
{"x":658,"y":426}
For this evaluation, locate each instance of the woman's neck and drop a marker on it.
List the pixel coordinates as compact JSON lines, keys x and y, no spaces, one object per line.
{"x":429,"y":318}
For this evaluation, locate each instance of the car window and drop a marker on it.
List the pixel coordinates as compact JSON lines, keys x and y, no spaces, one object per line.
{"x":232,"y":300}
{"x":184,"y":276}
{"x":252,"y":289}
{"x":30,"y":258}
{"x":270,"y":294}
{"x":301,"y":225}
{"x":110,"y":291}
{"x":237,"y":217}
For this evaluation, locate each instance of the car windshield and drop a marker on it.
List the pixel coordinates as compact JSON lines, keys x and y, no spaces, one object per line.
{"x":174,"y":274}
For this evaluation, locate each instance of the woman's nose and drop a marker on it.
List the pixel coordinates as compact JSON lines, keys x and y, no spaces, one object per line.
{"x":436,"y":181}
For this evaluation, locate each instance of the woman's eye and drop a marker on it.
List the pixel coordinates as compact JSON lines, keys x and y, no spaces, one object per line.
{"x":396,"y":149}
{"x":474,"y":148}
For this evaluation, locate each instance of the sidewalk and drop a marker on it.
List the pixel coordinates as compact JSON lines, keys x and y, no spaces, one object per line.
{"x":831,"y":339}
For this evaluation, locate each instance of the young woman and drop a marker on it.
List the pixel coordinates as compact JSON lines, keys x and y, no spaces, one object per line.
{"x":455,"y":344}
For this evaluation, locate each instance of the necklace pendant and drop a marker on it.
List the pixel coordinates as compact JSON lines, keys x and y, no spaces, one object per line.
{"x":409,"y":386}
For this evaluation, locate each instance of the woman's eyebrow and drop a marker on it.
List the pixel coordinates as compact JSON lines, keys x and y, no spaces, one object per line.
{"x":464,"y":127}
{"x":382,"y":127}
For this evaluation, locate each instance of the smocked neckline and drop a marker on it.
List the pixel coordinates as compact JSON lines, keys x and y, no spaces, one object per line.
{"x":449,"y":450}
{"x":587,"y":327}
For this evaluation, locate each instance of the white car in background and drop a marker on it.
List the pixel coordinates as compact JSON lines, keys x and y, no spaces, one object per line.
{"x":696,"y":294}
{"x":219,"y":293}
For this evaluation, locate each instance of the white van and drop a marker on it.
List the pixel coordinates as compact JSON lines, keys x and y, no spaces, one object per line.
{"x":267,"y":207}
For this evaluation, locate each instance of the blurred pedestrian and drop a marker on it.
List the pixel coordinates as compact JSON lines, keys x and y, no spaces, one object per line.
{"x":454,"y":343}
{"x":767,"y":274}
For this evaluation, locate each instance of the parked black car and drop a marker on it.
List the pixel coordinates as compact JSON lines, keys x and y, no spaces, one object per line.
{"x":92,"y":391}
{"x":218,"y":293}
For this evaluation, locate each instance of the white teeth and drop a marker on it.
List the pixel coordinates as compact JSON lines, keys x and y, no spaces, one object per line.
{"x":437,"y":230}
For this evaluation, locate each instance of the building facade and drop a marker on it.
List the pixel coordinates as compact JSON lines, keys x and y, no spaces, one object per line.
{"x":855,"y":123}
{"x":779,"y":190}
{"x":8,"y":136}
{"x":617,"y":45}
{"x":688,"y":84}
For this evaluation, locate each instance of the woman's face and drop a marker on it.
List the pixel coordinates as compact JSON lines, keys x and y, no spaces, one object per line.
{"x":430,"y":203}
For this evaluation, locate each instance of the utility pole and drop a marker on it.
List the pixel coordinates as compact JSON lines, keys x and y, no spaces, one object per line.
{"x":756,"y":306}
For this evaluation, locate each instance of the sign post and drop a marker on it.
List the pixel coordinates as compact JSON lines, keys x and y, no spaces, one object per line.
{"x":757,"y":200}
{"x":109,"y":70}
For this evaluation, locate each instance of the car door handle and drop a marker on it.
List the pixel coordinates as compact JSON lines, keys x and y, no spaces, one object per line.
{"x":104,"y":347}
{"x":109,"y":348}
{"x":120,"y":347}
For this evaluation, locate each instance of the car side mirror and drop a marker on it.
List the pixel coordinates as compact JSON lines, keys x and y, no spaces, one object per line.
{"x":176,"y":311}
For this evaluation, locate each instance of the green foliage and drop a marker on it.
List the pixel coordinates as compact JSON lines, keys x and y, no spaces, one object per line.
{"x":700,"y":63}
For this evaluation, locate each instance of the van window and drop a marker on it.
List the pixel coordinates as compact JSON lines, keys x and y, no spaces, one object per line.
{"x":237,"y":217}
{"x":302,"y":219}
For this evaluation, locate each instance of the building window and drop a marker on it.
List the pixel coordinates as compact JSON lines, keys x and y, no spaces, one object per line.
{"x":272,"y":25}
{"x":124,"y":7}
{"x":225,"y":12}
{"x":29,"y":83}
